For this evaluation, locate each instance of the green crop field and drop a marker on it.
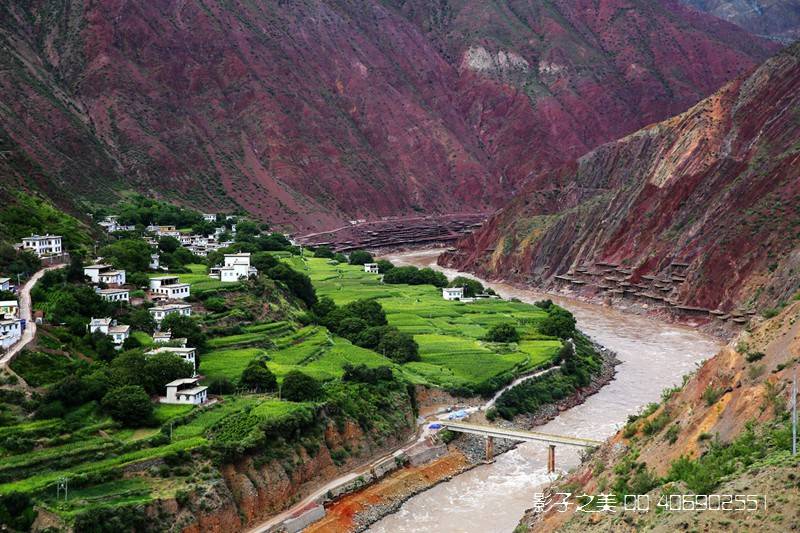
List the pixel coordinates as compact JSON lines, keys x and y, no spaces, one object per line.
{"x":448,"y":333}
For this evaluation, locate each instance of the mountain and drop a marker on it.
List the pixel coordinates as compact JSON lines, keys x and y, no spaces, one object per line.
{"x":310,"y":113}
{"x":726,"y":431}
{"x":776,"y":19}
{"x":701,"y":210}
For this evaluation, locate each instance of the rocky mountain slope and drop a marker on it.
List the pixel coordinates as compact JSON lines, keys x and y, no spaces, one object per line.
{"x":776,"y":19}
{"x":726,"y":431}
{"x":701,"y":210}
{"x":313,"y":113}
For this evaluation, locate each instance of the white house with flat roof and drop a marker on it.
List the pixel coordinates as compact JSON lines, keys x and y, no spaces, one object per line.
{"x":43,"y":245}
{"x":209,"y":217}
{"x":160,"y":311}
{"x":372,"y":268}
{"x":114,"y":295}
{"x":453,"y":293}
{"x":155,"y":261}
{"x":113,"y":277}
{"x":187,"y":354}
{"x":9,"y":308}
{"x":236,"y":267}
{"x":10,"y":332}
{"x":157,"y":281}
{"x":108,"y":326}
{"x":162,"y":337}
{"x":5,"y":284}
{"x":186,"y":391}
{"x":176,"y":291}
{"x":93,"y":271}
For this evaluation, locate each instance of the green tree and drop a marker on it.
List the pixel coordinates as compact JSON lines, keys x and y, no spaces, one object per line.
{"x":257,"y":376}
{"x":132,"y":255}
{"x":399,"y":347}
{"x":138,"y":279}
{"x":471,"y":287}
{"x":168,"y":244}
{"x":558,"y":323}
{"x":370,"y":311}
{"x":299,"y":284}
{"x":184,"y":326}
{"x":324,"y":252}
{"x":130,"y":405}
{"x":384,"y":266}
{"x":503,"y":332}
{"x":340,"y":257}
{"x":351,"y":327}
{"x":359,"y":257}
{"x":139,"y":318}
{"x":221,"y":385}
{"x":263,"y":261}
{"x":160,"y":369}
{"x":300,"y":387}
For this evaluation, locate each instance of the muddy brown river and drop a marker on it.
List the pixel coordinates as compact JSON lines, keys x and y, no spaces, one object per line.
{"x":492,"y":498}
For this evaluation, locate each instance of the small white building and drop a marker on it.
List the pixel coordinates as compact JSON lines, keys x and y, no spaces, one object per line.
{"x":160,"y":311}
{"x":114,"y":295}
{"x":372,"y":268}
{"x":453,"y":293}
{"x":157,"y":281}
{"x":209,"y":217}
{"x":9,"y":309}
{"x":43,"y":245}
{"x":175,"y":291}
{"x":107,"y":326}
{"x":162,"y":337}
{"x":113,"y":277}
{"x":93,"y":271}
{"x":187,"y":354}
{"x":10,"y":332}
{"x":5,"y":284}
{"x":155,"y":261}
{"x":236,"y":267}
{"x":186,"y":391}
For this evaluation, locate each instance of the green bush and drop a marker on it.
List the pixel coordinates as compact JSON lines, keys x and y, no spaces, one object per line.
{"x":503,"y":332}
{"x":257,"y":376}
{"x":300,"y":387}
{"x":130,"y":405}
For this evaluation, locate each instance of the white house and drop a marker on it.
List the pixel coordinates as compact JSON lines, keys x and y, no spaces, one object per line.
{"x":10,"y":332}
{"x":236,"y":267}
{"x":174,"y":291}
{"x":186,"y":391}
{"x":43,"y":245}
{"x":107,"y":326}
{"x":5,"y":284}
{"x":114,"y":295}
{"x":162,"y":337}
{"x":187,"y":354}
{"x":453,"y":293}
{"x":160,"y":311}
{"x":93,"y":271}
{"x":209,"y":217}
{"x":112,"y":277}
{"x":104,"y":274}
{"x":372,"y":268}
{"x":9,"y":308}
{"x":155,"y":261}
{"x":157,"y":281}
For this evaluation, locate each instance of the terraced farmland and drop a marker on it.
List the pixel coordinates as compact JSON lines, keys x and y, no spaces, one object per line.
{"x":448,"y":332}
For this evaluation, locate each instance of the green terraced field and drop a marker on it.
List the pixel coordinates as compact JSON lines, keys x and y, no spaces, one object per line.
{"x":448,"y":333}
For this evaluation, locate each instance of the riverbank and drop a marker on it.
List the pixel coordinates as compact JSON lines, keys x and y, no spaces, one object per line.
{"x":356,"y":512}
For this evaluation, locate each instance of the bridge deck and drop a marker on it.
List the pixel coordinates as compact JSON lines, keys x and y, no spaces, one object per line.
{"x":516,"y":434}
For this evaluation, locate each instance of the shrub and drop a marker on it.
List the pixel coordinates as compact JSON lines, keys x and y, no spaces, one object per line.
{"x":399,"y":347}
{"x":711,"y":394}
{"x":363,"y":374}
{"x":300,"y":387}
{"x":384,"y":266}
{"x":754,"y":356}
{"x":558,"y":323}
{"x":130,"y":405}
{"x":221,"y":386}
{"x":359,"y":257}
{"x":503,"y":332}
{"x":258,"y":376}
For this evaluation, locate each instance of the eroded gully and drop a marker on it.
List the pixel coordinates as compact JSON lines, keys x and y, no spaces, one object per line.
{"x":492,"y":498}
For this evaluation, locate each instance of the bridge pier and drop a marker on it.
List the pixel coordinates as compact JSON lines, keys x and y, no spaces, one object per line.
{"x":551,"y":459}
{"x":489,"y":449}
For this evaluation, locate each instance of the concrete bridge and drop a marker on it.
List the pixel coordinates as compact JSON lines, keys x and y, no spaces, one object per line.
{"x":492,"y":432}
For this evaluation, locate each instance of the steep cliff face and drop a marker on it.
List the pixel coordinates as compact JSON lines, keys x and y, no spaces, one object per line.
{"x":726,"y":431}
{"x":776,"y":19}
{"x":699,"y":210}
{"x":310,"y":113}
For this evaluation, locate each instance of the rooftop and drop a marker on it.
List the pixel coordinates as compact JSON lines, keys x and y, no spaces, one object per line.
{"x":183,"y":381}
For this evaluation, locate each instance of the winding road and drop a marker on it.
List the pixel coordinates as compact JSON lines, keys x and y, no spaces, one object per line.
{"x":26,"y":313}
